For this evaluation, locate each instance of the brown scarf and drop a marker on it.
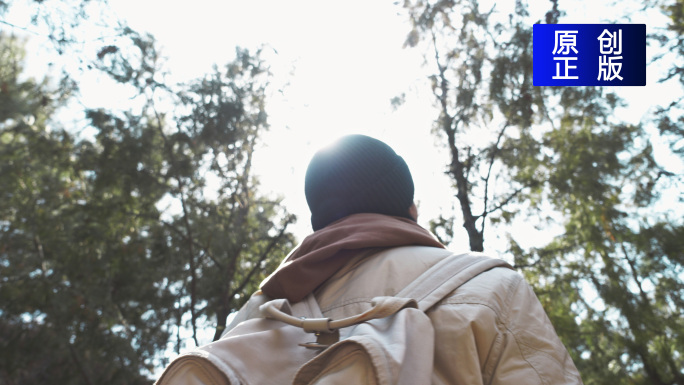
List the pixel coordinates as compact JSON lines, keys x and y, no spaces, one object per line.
{"x":327,"y":250}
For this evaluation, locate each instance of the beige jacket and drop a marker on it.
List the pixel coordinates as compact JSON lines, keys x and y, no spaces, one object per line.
{"x":492,"y":330}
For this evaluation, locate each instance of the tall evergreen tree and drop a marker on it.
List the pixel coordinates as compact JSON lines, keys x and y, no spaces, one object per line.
{"x":114,"y":244}
{"x":612,"y":282}
{"x":670,"y":42}
{"x":487,"y":105}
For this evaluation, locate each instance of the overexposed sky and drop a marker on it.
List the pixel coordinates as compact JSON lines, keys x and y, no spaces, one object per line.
{"x":336,"y":66}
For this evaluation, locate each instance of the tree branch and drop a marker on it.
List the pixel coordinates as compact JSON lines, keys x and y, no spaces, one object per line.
{"x":507,"y":200}
{"x":80,"y":367}
{"x":494,"y":151}
{"x":186,"y":221}
{"x":205,"y":250}
{"x":456,"y":168}
{"x":221,"y":321}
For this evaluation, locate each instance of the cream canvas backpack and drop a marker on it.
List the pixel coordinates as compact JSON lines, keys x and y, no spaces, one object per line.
{"x":392,"y":343}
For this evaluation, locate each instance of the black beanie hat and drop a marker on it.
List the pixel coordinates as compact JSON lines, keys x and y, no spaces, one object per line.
{"x":357,"y":174}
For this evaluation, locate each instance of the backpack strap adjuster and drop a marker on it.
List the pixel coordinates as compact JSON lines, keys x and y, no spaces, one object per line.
{"x":323,"y":340}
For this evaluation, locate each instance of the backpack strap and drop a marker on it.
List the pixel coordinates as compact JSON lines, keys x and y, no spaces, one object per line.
{"x":446,"y":276}
{"x":423,"y":293}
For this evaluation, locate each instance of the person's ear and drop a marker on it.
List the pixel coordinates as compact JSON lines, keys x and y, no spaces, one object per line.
{"x":413,"y":211}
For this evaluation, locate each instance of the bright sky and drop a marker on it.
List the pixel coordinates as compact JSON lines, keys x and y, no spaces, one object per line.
{"x":343,"y":61}
{"x":338,"y":64}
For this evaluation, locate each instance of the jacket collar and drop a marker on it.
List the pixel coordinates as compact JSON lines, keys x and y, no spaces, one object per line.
{"x":327,"y":250}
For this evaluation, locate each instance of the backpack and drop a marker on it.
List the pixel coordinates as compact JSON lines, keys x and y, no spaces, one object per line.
{"x":391,"y":343}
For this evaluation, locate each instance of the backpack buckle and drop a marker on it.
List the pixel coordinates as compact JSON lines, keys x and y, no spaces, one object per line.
{"x":323,"y":340}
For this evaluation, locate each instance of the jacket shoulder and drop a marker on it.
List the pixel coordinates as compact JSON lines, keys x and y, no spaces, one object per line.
{"x":385,"y":273}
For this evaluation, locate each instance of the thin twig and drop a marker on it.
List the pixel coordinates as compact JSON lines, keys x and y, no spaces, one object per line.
{"x":492,"y":157}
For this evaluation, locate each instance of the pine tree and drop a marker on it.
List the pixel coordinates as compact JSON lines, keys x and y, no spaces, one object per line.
{"x":115,"y":244}
{"x":612,"y":281}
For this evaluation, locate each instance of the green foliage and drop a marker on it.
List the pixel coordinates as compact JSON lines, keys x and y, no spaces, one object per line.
{"x":60,"y":20}
{"x":75,"y":275}
{"x":111,"y":243}
{"x":614,"y":263}
{"x":488,"y":108}
{"x":670,"y":41}
{"x":612,"y":282}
